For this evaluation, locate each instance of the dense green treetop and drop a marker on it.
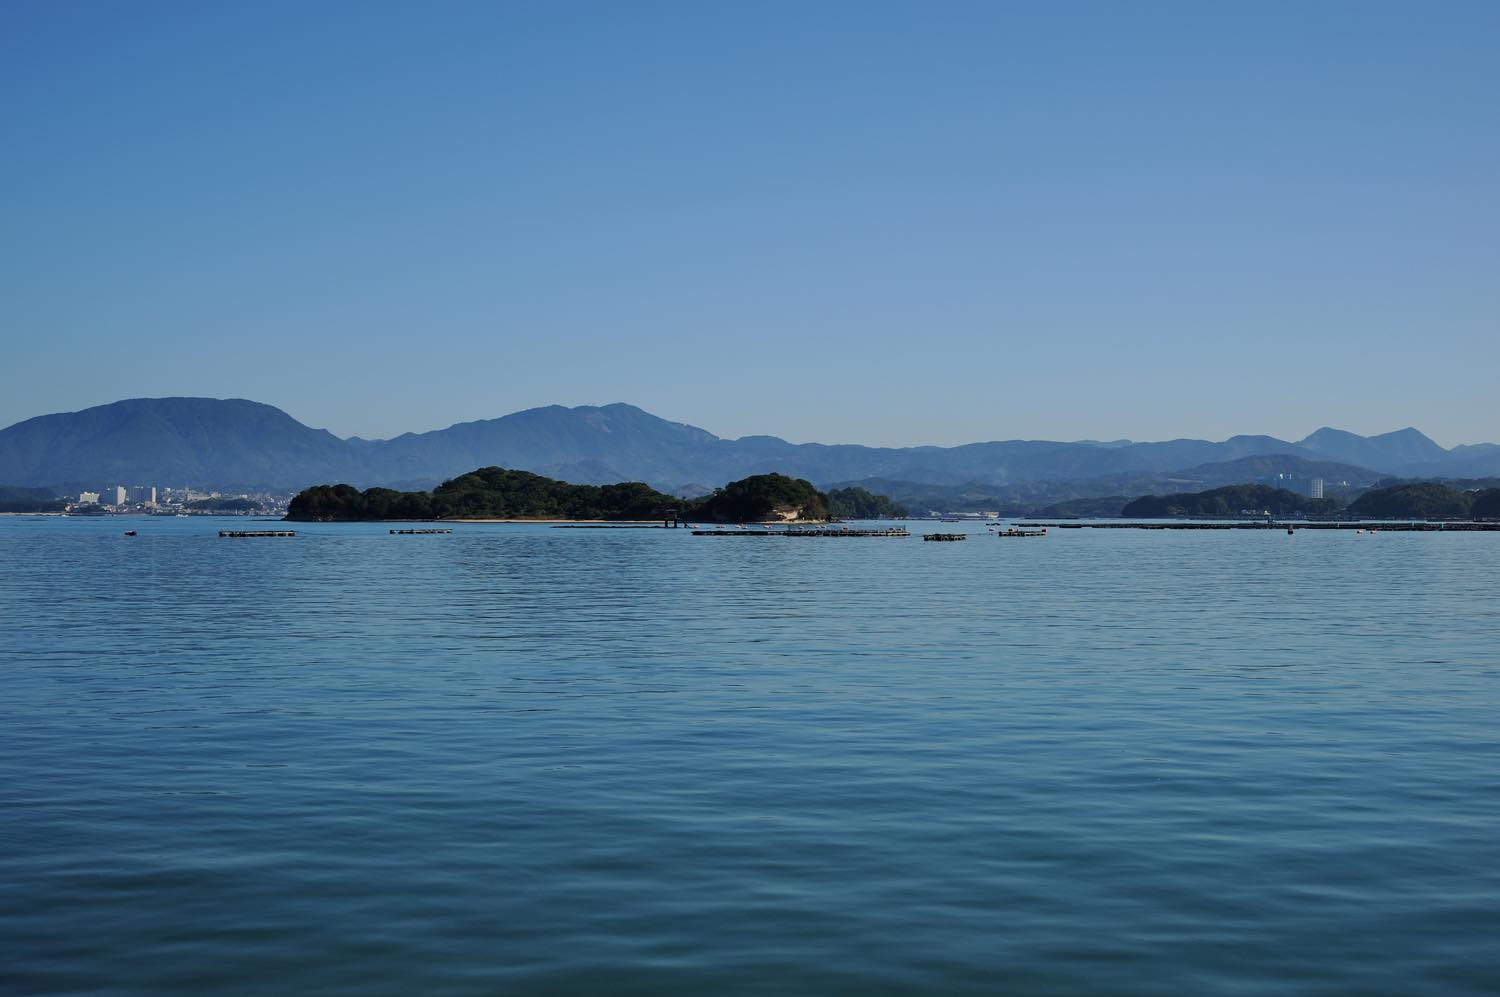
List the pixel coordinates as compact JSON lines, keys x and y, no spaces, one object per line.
{"x":1228,"y":502}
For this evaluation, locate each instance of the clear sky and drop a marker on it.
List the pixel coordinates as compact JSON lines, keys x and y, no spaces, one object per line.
{"x":864,"y":222}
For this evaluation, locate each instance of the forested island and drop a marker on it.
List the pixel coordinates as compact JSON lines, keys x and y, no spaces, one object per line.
{"x":498,"y":493}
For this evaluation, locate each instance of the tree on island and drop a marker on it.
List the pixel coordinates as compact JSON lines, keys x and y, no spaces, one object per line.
{"x":762,"y":498}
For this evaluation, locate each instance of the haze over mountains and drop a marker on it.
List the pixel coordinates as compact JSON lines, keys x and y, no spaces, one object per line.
{"x":234,"y":443}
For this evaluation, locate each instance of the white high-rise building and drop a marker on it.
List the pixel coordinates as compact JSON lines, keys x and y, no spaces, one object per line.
{"x":120,"y":495}
{"x":88,"y":498}
{"x":1315,"y":488}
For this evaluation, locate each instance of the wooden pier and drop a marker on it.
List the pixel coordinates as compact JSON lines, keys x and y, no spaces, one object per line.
{"x":895,"y":531}
{"x":248,"y":534}
{"x":408,"y":533}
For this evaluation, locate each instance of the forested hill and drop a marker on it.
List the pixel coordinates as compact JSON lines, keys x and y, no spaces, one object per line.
{"x":1230,"y":502}
{"x":1406,"y":500}
{"x":762,"y":498}
{"x":29,"y":500}
{"x":498,"y":493}
{"x":860,"y":503}
{"x":1426,"y":500}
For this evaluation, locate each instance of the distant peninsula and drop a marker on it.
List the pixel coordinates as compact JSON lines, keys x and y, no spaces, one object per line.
{"x":1229,"y":502}
{"x":29,"y":500}
{"x":496,"y":493}
{"x":1427,"y":500}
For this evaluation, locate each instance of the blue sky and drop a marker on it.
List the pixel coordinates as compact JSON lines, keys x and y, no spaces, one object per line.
{"x":864,"y":222}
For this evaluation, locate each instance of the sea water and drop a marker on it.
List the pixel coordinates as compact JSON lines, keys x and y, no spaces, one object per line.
{"x":518,"y":759}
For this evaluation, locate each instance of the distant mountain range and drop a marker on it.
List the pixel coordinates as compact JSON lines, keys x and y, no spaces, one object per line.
{"x":206,"y":442}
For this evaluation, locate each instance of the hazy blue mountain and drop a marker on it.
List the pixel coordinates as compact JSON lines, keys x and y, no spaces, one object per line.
{"x":1277,"y":470}
{"x":1394,"y":453}
{"x":209,"y":442}
{"x":1475,"y":460}
{"x":584,"y":445}
{"x":172,"y":441}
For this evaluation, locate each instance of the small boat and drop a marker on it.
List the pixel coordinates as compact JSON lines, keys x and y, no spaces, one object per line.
{"x":130,"y":533}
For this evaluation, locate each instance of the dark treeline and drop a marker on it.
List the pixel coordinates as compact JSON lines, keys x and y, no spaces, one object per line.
{"x":13,"y":499}
{"x":1426,"y":500}
{"x":488,"y":493}
{"x":1229,"y":501}
{"x":497,"y":493}
{"x":1404,"y":500}
{"x":858,"y":503}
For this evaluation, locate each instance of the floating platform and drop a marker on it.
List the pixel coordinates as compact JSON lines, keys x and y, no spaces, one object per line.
{"x":1408,"y":527}
{"x":247,"y":534}
{"x":407,"y":533}
{"x":1013,"y":532}
{"x":896,"y":531}
{"x":945,"y":537}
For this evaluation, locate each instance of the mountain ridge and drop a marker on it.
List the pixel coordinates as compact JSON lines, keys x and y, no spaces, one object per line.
{"x":242,"y":443}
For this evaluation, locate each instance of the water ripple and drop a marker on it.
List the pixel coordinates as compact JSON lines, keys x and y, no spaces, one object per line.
{"x":517,"y":759}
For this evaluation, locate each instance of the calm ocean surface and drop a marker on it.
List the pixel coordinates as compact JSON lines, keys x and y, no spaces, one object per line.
{"x":529,"y":760}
